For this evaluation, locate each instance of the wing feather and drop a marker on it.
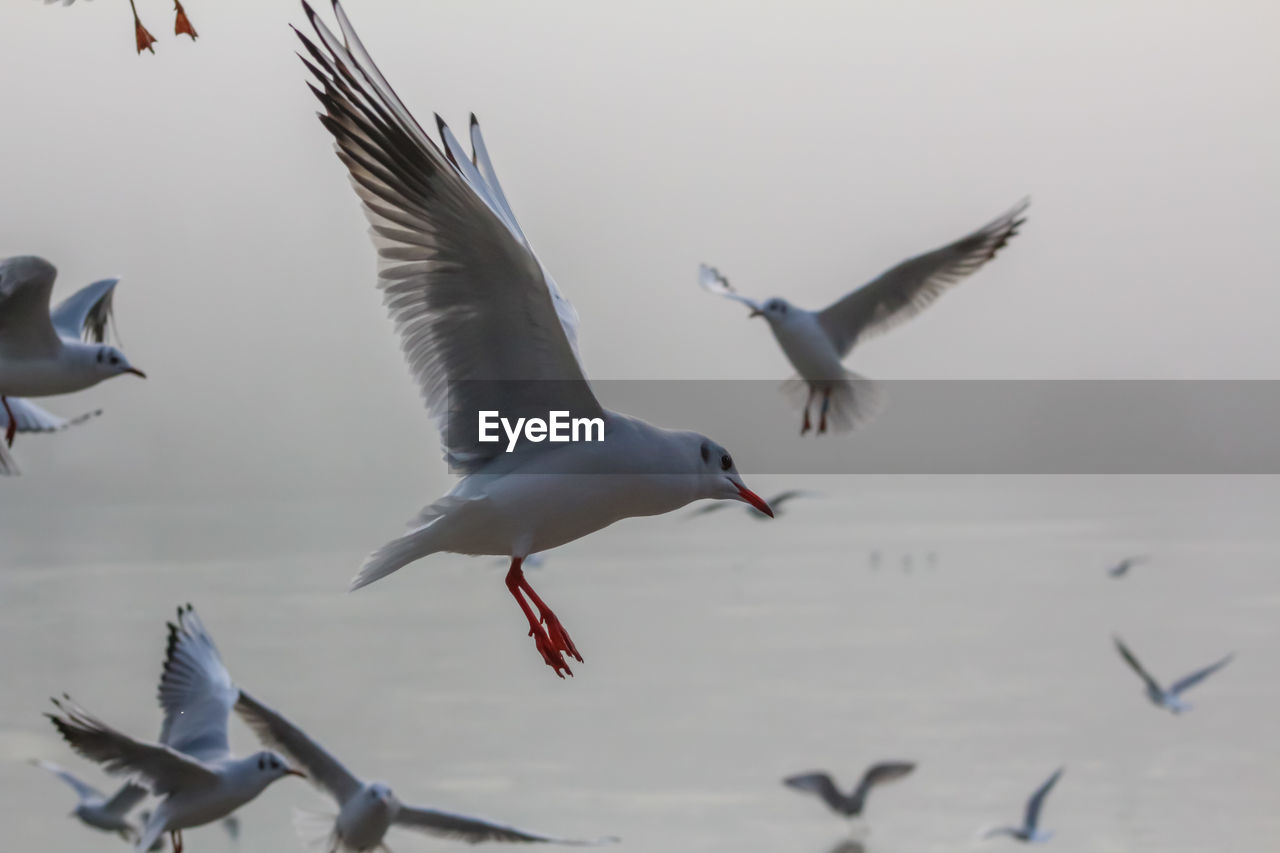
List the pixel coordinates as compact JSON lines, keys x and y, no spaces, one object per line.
{"x":274,"y":730}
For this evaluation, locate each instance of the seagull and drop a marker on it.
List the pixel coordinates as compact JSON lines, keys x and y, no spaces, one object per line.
{"x":485,"y":328}
{"x":851,"y":804}
{"x":142,"y":38}
{"x":366,"y":810}
{"x":43,"y":353}
{"x":815,"y":342}
{"x":1030,"y":830}
{"x":775,"y":503}
{"x":1171,"y":699}
{"x":94,"y":809}
{"x":191,"y":769}
{"x":1122,"y":568}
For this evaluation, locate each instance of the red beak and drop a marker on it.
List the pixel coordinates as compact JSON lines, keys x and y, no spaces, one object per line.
{"x":135,"y":371}
{"x":293,"y":772}
{"x":755,"y":500}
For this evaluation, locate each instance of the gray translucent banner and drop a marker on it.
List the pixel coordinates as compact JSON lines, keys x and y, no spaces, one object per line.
{"x":913,"y":427}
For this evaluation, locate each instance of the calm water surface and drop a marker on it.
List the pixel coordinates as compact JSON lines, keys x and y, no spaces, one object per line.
{"x":721,"y":654}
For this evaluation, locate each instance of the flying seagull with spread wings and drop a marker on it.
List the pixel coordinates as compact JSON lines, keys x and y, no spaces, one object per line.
{"x":191,"y":769}
{"x":485,"y":328}
{"x":1170,"y":699}
{"x":95,"y":809}
{"x":43,"y":352}
{"x":851,"y":804}
{"x":366,"y":810}
{"x":1030,"y":829}
{"x":815,"y":342}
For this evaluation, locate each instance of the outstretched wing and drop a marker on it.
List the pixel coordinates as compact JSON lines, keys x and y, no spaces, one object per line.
{"x":713,"y":281}
{"x":481,"y":326}
{"x":1200,"y":675}
{"x":1151,"y":683}
{"x":882,"y":773}
{"x":31,"y":418}
{"x":278,"y":733}
{"x":163,"y":767}
{"x":84,"y":791}
{"x":818,"y":783}
{"x":124,"y":799}
{"x":196,"y":691}
{"x":86,"y":313}
{"x":25,"y":329}
{"x":473,"y":830}
{"x":1032,"y":818}
{"x":910,"y":287}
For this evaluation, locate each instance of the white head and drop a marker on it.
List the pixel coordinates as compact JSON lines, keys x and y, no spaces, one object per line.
{"x":267,"y":766}
{"x":718,"y":477}
{"x":103,"y":361}
{"x":776,"y":311}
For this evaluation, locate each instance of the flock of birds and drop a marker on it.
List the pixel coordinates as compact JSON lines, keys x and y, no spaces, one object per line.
{"x":475,"y":309}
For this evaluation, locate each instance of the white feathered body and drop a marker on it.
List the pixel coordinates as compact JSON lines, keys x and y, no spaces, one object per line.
{"x":806,"y":345}
{"x":73,"y":367}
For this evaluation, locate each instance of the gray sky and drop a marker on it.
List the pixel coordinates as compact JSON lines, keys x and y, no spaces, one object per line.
{"x":800,"y":147}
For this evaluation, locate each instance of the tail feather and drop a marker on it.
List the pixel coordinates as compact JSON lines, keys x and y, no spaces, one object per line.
{"x":316,"y":829}
{"x":855,"y":401}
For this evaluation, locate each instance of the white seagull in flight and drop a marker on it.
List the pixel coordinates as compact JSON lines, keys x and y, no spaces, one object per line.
{"x":191,"y":769}
{"x":366,"y":810}
{"x":43,"y":353}
{"x":484,"y":328}
{"x":1170,"y":699}
{"x":1030,"y":829}
{"x":851,"y":804}
{"x":815,"y":342}
{"x":94,"y":809}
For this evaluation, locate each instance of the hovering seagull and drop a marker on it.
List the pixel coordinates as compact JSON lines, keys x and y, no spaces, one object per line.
{"x":1171,"y":699}
{"x":1122,"y":568}
{"x":41,"y":352}
{"x":142,"y":38}
{"x":851,"y":804}
{"x":484,"y":327}
{"x":94,"y":809}
{"x":815,"y":342}
{"x":775,"y":503}
{"x":1030,"y":829}
{"x":191,"y":769}
{"x":366,"y":810}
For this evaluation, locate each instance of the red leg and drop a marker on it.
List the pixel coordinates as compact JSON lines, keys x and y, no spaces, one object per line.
{"x":806,"y":426}
{"x":12,"y":429}
{"x":826,"y":404}
{"x":552,"y":640}
{"x":176,"y":838}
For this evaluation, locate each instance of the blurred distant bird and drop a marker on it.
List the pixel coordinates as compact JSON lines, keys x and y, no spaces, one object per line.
{"x":1030,"y":829}
{"x":1122,"y":568}
{"x":143,"y":39}
{"x":366,"y":810}
{"x":776,"y":503}
{"x":485,"y":328}
{"x":110,"y":814}
{"x":1171,"y":699}
{"x":815,"y":342}
{"x":852,"y":804}
{"x":45,"y":352}
{"x":191,"y":769}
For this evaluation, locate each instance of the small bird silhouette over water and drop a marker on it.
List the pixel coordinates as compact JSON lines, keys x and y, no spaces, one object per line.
{"x":1170,"y":699}
{"x":851,"y":804}
{"x":815,"y":342}
{"x":1122,"y":568}
{"x":142,"y":37}
{"x":1030,"y":829}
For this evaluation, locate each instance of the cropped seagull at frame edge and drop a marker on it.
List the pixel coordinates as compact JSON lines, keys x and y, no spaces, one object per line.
{"x":815,"y":342}
{"x":191,"y":769}
{"x":484,"y":327}
{"x":366,"y":810}
{"x":47,"y":352}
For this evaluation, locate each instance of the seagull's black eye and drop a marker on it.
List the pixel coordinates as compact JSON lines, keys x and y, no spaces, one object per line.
{"x":115,"y":359}
{"x":706,"y":453}
{"x":99,"y":356}
{"x":726,"y":462}
{"x":373,"y":793}
{"x":262,"y":763}
{"x":275,"y":765}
